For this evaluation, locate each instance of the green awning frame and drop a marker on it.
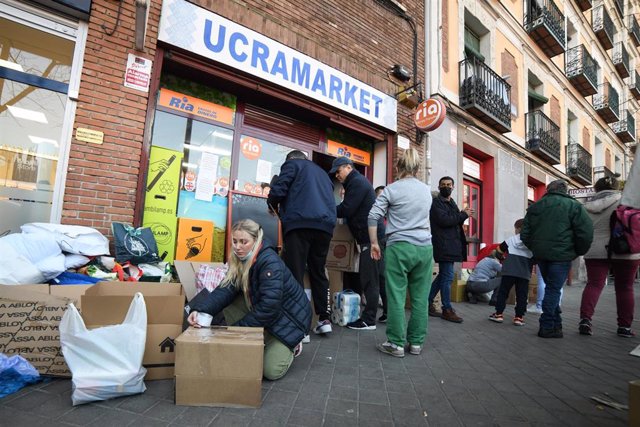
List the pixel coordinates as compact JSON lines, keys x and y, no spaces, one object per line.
{"x":537,"y":97}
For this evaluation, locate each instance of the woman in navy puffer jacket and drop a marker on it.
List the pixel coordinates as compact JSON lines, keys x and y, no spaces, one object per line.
{"x":260,"y":291}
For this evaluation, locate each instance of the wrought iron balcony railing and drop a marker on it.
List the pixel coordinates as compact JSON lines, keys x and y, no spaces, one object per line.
{"x":584,"y":4}
{"x":602,"y":172}
{"x":578,"y":163}
{"x":621,"y":60}
{"x":634,"y":30}
{"x":543,"y":137}
{"x":485,"y":94}
{"x":602,"y":25}
{"x":581,"y":70}
{"x":545,"y":24}
{"x":625,"y":129}
{"x":606,"y":103}
{"x":634,"y":85}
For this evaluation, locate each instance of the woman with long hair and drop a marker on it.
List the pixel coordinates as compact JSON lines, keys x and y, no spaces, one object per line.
{"x":260,"y":291}
{"x":408,"y":254}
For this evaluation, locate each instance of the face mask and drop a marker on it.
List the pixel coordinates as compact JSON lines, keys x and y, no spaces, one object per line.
{"x":445,"y":192}
{"x":246,"y":257}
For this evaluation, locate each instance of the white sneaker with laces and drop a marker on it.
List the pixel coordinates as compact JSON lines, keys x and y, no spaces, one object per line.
{"x":306,"y":339}
{"x":323,"y":327}
{"x":533,"y":309}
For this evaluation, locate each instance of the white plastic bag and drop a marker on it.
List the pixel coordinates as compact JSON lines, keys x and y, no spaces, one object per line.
{"x":105,"y":362}
{"x":73,"y":239}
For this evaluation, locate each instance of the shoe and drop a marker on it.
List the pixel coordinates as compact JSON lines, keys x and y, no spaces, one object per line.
{"x":550,"y":333}
{"x":391,"y":349}
{"x":533,"y":309}
{"x":324,"y":327}
{"x":361,"y":325}
{"x":626,"y":332}
{"x":450,"y":315}
{"x":306,"y":339}
{"x":518,"y":321}
{"x":472,"y":298}
{"x":433,"y":311}
{"x":298,"y":350}
{"x":495,"y":317}
{"x":413,"y":349}
{"x":382,"y":319}
{"x":585,"y":327}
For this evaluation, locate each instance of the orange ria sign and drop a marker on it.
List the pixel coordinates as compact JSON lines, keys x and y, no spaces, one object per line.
{"x":341,"y":150}
{"x":197,"y":107}
{"x":430,"y":114}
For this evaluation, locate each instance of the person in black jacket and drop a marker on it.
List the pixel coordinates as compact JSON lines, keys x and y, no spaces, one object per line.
{"x":358,"y":199}
{"x":260,"y":291}
{"x":302,"y":196}
{"x":449,"y":246}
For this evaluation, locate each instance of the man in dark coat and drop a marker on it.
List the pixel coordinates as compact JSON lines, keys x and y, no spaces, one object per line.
{"x":449,"y":246}
{"x":302,"y":195}
{"x":358,"y":199}
{"x":557,"y":229}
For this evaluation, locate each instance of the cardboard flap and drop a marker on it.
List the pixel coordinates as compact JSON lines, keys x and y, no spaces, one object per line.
{"x":28,"y":293}
{"x":187,"y":272}
{"x":130,"y":288}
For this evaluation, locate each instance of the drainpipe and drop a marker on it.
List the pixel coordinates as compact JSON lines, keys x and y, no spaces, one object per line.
{"x":428,"y":29}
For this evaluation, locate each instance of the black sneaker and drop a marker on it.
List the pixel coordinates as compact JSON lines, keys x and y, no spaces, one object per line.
{"x":550,"y":333}
{"x":382,"y":319}
{"x":361,"y":325}
{"x":626,"y":332}
{"x":585,"y":327}
{"x":472,"y":298}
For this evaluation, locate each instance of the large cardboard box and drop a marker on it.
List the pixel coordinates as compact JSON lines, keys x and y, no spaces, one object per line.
{"x":343,"y":253}
{"x":634,"y":403}
{"x":187,"y":272}
{"x":107,"y":303}
{"x":219,"y":366}
{"x":195,"y":240}
{"x":29,"y":319}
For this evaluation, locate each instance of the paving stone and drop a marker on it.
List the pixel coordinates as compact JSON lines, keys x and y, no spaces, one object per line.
{"x":165,"y":411}
{"x":313,"y":401}
{"x":139,"y":403}
{"x":230,"y":420}
{"x":27,"y":401}
{"x":197,"y":416}
{"x":306,"y":418}
{"x":332,"y":420}
{"x":83,"y":414}
{"x":345,"y":408}
{"x":370,"y":411}
{"x":343,"y":393}
{"x":373,"y":396}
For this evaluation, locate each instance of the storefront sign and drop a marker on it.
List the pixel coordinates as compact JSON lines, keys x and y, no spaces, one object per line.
{"x":430,"y":114}
{"x":579,"y":193}
{"x":192,"y":28}
{"x":197,"y":107}
{"x":138,"y":73}
{"x":88,"y":135}
{"x":251,"y":148}
{"x":341,"y":150}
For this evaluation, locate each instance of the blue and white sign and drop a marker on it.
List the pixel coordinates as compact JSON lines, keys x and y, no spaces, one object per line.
{"x":203,"y":32}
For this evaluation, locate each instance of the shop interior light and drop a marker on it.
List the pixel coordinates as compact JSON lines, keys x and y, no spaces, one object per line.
{"x":212,"y":150}
{"x":222,"y":135}
{"x":41,"y":140}
{"x":23,"y":113}
{"x":189,"y":165}
{"x":12,"y":65}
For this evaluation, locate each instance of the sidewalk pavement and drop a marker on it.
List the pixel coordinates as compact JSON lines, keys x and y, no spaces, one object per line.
{"x":477,"y":373}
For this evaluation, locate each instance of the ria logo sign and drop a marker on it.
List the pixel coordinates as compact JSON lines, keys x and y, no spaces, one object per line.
{"x":430,"y":114}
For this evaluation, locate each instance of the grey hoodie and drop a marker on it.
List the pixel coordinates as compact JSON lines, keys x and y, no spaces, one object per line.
{"x":599,"y":209}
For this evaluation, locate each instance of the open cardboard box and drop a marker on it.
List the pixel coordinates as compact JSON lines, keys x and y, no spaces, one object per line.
{"x":187,"y":272}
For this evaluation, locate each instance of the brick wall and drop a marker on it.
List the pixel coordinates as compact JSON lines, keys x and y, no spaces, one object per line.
{"x":445,"y":36}
{"x":555,"y":110}
{"x":586,"y":138}
{"x":510,"y":68}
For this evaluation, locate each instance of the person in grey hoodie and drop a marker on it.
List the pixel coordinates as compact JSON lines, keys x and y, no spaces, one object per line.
{"x":598,"y":262}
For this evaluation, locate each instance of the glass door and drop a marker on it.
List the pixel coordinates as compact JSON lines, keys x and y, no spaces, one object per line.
{"x":472,"y":192}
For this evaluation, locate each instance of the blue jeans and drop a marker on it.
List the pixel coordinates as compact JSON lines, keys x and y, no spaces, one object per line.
{"x":540,"y":295}
{"x":554,"y":274}
{"x":442,"y":284}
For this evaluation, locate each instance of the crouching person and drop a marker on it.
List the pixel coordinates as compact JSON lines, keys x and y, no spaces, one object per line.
{"x":260,"y":291}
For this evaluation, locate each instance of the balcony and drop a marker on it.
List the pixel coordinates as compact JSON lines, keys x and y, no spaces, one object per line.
{"x":602,"y":172}
{"x":621,"y":60}
{"x":543,"y":137}
{"x":485,"y":94}
{"x":634,"y":30}
{"x":581,"y":70}
{"x":634,"y":85}
{"x":607,"y":104}
{"x":545,"y":24}
{"x":584,"y":4}
{"x":578,"y":163}
{"x":603,"y":26}
{"x":625,"y":129}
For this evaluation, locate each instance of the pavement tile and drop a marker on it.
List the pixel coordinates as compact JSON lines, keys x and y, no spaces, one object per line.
{"x":403,"y":400}
{"x":408,"y":416}
{"x":344,"y":393}
{"x":27,"y":401}
{"x":139,"y":403}
{"x":312,"y":401}
{"x":345,"y":408}
{"x":306,"y":418}
{"x":373,"y":396}
{"x":231,"y":420}
{"x":281,"y":397}
{"x":333,"y":420}
{"x":370,"y":411}
{"x":83,"y":414}
{"x":117,"y":418}
{"x":165,"y":411}
{"x":197,"y":416}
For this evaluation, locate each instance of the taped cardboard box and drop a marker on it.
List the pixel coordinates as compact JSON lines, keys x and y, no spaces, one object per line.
{"x":335,"y":285}
{"x":29,"y":319}
{"x":343,"y":253}
{"x":219,"y":366}
{"x":106,"y":303}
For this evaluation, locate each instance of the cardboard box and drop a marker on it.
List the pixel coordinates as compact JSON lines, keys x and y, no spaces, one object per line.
{"x":634,"y":403}
{"x":195,"y":240}
{"x":107,"y":303}
{"x":29,"y":319}
{"x":219,"y":366}
{"x":458,"y":291}
{"x":343,"y":254}
{"x":187,"y":272}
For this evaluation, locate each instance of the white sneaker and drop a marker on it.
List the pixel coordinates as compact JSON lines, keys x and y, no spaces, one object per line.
{"x":306,"y":339}
{"x":533,"y":309}
{"x":324,"y":327}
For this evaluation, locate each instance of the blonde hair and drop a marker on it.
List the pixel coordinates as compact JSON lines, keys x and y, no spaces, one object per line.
{"x":238,"y":273}
{"x":408,"y":163}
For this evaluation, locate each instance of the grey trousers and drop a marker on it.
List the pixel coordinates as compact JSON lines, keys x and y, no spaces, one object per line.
{"x":479,"y":288}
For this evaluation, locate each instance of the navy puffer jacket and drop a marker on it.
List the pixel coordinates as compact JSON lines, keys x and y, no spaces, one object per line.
{"x":278,"y":301}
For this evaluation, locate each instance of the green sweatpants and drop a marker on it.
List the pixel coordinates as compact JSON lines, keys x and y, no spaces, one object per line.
{"x":407,"y":266}
{"x":277,"y":357}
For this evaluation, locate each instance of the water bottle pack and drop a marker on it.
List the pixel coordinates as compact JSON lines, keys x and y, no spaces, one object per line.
{"x":345,"y":307}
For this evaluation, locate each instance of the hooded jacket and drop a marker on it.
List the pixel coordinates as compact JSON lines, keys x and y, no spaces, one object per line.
{"x":447,"y":234}
{"x":599,"y":209}
{"x":278,"y":301}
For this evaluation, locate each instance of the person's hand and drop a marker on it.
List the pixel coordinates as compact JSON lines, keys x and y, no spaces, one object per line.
{"x":193,"y":319}
{"x":375,"y":251}
{"x":470,"y":212}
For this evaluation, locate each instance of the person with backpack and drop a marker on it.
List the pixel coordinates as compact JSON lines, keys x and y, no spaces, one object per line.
{"x":601,"y":257}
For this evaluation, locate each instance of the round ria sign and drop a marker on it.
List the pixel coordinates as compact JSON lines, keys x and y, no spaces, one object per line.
{"x":430,"y":114}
